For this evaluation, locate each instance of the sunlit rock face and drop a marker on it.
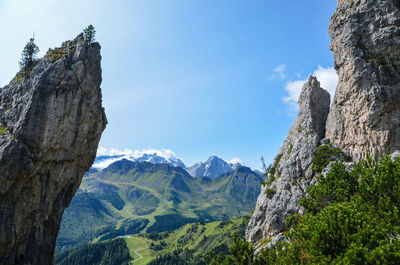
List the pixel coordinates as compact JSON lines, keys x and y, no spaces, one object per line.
{"x":365,"y":115}
{"x":51,"y":124}
{"x":293,"y":166}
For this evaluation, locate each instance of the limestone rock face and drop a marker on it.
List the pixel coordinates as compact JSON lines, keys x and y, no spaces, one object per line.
{"x":365,"y":115}
{"x":50,"y":127}
{"x":293,"y":166}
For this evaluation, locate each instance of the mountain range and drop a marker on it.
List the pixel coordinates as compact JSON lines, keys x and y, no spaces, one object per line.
{"x":129,"y":197}
{"x":212,"y":168}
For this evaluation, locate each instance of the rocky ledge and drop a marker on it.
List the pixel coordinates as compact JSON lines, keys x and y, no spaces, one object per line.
{"x":50,"y":126}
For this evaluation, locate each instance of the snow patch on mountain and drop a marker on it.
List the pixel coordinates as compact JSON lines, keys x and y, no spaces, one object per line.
{"x":166,"y":153}
{"x":213,"y":167}
{"x":106,"y":157}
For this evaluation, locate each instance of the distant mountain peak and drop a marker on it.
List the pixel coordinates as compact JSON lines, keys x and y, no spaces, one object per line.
{"x":212,"y":168}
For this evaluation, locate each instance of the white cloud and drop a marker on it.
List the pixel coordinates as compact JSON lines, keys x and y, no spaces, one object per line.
{"x":279,"y":72}
{"x":235,"y":160}
{"x":280,"y":69}
{"x":106,"y":163}
{"x":294,"y":89}
{"x":166,"y":153}
{"x":326,"y":76}
{"x":328,"y":79}
{"x":129,"y":154}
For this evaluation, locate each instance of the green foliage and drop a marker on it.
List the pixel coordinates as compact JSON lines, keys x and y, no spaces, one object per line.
{"x":179,"y":257}
{"x":292,"y":220}
{"x":3,"y":130}
{"x":128,"y":227}
{"x":20,"y":76}
{"x":270,"y":192}
{"x":29,"y":55}
{"x":271,"y":170}
{"x":87,"y":215}
{"x":169,"y":222}
{"x":299,"y":129}
{"x":338,"y":186}
{"x":89,"y":34}
{"x":241,"y":252}
{"x":156,"y":235}
{"x":323,"y":155}
{"x":56,"y":54}
{"x":351,"y":218}
{"x":113,"y":252}
{"x":275,"y":164}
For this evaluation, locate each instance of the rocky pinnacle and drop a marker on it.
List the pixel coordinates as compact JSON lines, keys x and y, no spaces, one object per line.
{"x":281,"y":194}
{"x":50,"y":126}
{"x":365,"y":115}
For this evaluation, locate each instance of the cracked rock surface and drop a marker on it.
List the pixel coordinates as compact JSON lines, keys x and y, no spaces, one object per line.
{"x":365,"y":115}
{"x":50,"y":126}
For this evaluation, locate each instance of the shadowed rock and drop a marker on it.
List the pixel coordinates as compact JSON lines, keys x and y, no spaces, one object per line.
{"x":51,"y":123}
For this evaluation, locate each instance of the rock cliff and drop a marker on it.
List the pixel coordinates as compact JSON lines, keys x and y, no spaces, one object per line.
{"x":292,"y":168}
{"x":50,"y":126}
{"x":364,"y":117}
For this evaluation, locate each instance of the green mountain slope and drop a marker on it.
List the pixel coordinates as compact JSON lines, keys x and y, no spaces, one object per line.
{"x":192,"y":242}
{"x":130,"y":197}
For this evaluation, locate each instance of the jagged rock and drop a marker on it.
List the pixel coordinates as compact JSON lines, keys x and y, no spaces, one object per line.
{"x":293,"y":166}
{"x":365,"y":115}
{"x":51,"y":124}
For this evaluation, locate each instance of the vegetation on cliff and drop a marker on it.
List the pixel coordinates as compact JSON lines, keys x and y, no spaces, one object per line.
{"x":352,"y":217}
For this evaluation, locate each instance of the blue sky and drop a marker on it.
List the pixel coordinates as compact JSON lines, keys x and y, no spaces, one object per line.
{"x":200,"y":78}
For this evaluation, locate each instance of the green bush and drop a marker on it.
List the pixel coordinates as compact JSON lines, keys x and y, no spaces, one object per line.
{"x":89,"y":34}
{"x":3,"y":130}
{"x":338,"y":186}
{"x":29,"y":55}
{"x":270,"y":193}
{"x":292,"y":220}
{"x":351,"y":218}
{"x":56,"y":54}
{"x":271,"y":170}
{"x":323,"y":155}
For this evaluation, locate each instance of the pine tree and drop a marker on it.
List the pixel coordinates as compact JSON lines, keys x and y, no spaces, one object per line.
{"x":89,"y":34}
{"x":29,"y":55}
